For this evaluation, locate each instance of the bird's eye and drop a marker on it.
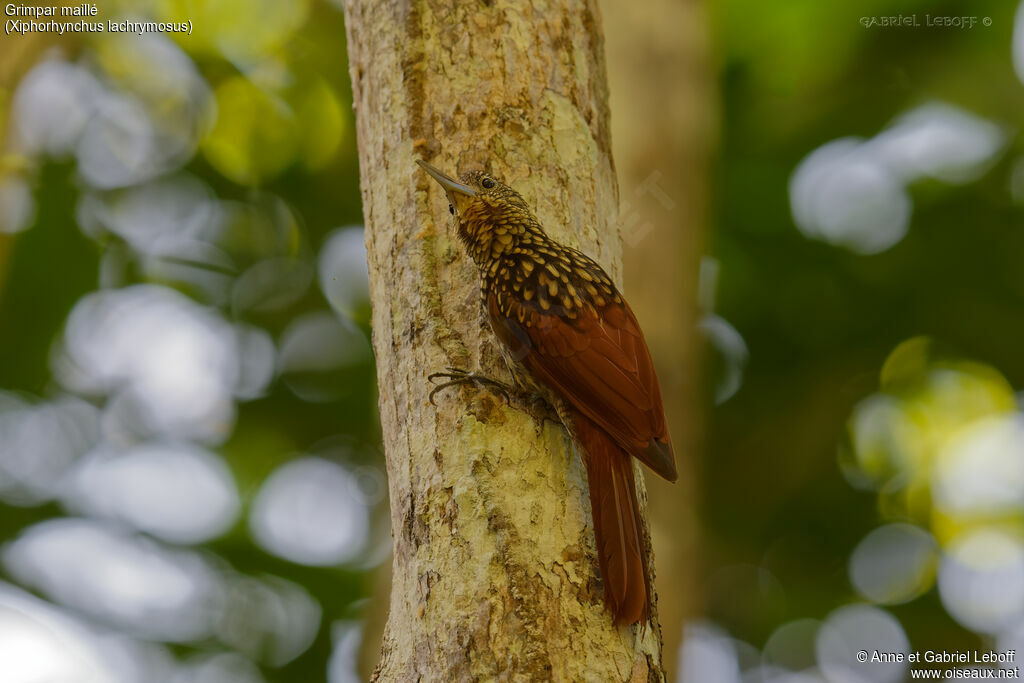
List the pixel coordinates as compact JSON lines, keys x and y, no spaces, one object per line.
{"x":487,"y":183}
{"x":451,"y":209}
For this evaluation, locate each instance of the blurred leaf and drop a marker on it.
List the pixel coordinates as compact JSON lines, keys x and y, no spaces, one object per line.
{"x":254,"y":137}
{"x":322,"y":122}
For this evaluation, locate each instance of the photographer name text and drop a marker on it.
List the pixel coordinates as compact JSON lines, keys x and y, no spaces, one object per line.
{"x":939,"y":657}
{"x":929,"y":21}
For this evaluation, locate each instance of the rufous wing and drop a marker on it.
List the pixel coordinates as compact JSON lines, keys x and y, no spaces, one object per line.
{"x":599,"y":364}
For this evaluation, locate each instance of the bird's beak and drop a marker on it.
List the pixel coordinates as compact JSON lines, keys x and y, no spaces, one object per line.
{"x":449,"y":184}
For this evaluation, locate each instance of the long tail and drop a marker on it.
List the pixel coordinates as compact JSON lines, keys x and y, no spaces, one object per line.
{"x":617,"y":524}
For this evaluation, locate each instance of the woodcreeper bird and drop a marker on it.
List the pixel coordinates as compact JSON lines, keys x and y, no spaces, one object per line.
{"x":569,"y":336}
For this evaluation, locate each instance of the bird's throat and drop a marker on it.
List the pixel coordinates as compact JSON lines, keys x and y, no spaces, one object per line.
{"x":487,"y":242}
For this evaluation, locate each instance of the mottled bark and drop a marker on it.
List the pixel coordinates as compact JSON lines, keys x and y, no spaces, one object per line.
{"x":662,"y":80}
{"x":494,"y":575}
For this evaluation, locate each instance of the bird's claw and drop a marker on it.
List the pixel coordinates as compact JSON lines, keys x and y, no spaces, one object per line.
{"x":456,"y":376}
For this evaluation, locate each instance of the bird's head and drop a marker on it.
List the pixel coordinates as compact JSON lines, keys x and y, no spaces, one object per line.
{"x":490,"y":214}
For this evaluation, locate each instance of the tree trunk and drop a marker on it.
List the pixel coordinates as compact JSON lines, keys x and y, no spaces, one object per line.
{"x":494,"y":574}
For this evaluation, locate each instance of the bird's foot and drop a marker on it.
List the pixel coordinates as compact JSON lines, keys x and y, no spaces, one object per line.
{"x":529,"y":401}
{"x":457,"y":376}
